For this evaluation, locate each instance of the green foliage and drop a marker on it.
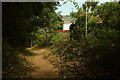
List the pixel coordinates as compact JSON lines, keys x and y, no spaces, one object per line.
{"x":40,"y":31}
{"x":14,"y":65}
{"x":19,"y":21}
{"x":110,"y":13}
{"x":58,"y":25}
{"x":101,"y":52}
{"x":98,"y":53}
{"x":95,"y":56}
{"x":59,"y":41}
{"x":42,"y":40}
{"x":101,"y":46}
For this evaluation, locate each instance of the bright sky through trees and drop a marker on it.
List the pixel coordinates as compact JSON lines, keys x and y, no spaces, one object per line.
{"x":68,"y":7}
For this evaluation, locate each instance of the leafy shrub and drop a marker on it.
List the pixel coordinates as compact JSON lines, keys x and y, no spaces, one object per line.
{"x":43,"y":40}
{"x":14,"y":63}
{"x":100,"y":50}
{"x":59,"y":41}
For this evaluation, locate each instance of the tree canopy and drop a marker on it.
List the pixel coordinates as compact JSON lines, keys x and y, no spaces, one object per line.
{"x":20,"y":19}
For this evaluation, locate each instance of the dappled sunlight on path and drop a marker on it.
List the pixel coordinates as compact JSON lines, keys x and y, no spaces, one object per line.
{"x":43,"y":69}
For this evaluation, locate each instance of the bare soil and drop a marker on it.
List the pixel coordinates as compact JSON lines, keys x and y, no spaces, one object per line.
{"x":42,"y":67}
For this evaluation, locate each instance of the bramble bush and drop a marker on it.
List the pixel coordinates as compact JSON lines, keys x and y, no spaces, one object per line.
{"x":101,"y":53}
{"x":101,"y":47}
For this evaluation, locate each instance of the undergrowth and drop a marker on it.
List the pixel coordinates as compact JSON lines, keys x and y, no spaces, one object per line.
{"x":15,"y":62}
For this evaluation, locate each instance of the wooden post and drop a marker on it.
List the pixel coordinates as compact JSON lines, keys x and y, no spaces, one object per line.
{"x":86,"y":20}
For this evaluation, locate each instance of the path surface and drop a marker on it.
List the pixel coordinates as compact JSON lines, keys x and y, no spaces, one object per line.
{"x":43,"y":69}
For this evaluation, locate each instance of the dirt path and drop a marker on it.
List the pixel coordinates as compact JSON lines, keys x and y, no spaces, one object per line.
{"x":43,"y":69}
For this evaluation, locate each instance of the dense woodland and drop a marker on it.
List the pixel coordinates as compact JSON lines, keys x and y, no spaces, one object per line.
{"x":95,"y":56}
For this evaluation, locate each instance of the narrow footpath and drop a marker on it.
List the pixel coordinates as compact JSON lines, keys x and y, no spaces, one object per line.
{"x":42,"y":67}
